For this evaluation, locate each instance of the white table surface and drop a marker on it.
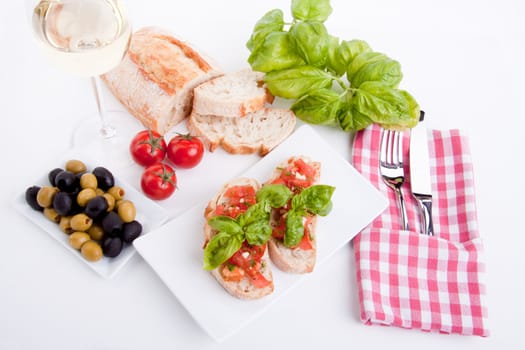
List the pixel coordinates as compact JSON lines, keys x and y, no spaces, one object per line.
{"x":464,"y":63}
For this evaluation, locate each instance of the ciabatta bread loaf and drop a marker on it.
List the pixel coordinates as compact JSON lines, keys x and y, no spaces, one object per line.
{"x":156,"y":78}
{"x":259,"y":131}
{"x":232,"y":95}
{"x":242,"y":288}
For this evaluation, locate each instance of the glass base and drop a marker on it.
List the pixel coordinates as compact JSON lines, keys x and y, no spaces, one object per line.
{"x":109,"y":145}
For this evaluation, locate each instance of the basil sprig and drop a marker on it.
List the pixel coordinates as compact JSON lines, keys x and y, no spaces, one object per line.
{"x":333,"y":81}
{"x":253,"y":226}
{"x":312,"y":200}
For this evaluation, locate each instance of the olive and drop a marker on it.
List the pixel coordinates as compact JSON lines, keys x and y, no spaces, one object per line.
{"x":81,"y":222}
{"x":88,"y":180}
{"x":65,"y":224}
{"x":130,"y":231}
{"x":96,"y":232}
{"x":104,"y":177}
{"x":31,"y":194}
{"x":99,"y":191}
{"x":66,"y":181}
{"x":91,"y":251}
{"x":77,"y":239}
{"x":111,"y":201}
{"x":96,"y":207}
{"x":52,"y":174}
{"x":63,"y":203}
{"x":126,"y":210}
{"x":84,"y":196}
{"x":75,"y":166}
{"x":112,"y":224}
{"x":45,"y":196}
{"x":52,"y":214}
{"x":117,"y":192}
{"x":111,"y":246}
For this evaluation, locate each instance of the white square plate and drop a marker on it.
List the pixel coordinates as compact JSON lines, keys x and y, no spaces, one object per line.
{"x":175,"y":251}
{"x":149,"y":214}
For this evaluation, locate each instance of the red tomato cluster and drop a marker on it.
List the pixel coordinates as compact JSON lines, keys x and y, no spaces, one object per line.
{"x":149,"y":149}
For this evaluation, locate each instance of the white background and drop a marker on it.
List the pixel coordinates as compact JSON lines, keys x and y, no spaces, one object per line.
{"x":464,"y":63}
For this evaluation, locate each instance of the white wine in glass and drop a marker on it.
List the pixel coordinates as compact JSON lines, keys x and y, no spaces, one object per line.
{"x":86,"y":38}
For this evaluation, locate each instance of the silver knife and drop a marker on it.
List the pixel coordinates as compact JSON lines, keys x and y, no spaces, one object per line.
{"x":420,"y":173}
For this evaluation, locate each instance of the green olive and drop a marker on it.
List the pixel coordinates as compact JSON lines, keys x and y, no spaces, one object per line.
{"x":65,"y":224}
{"x":88,"y":180}
{"x":81,"y":222}
{"x":99,"y":192}
{"x":52,"y":215}
{"x":111,"y":201}
{"x":96,"y":232}
{"x":77,"y":239}
{"x":91,"y":251}
{"x":75,"y":166}
{"x":117,"y":192}
{"x":126,"y":211}
{"x":45,"y":196}
{"x":85,"y":196}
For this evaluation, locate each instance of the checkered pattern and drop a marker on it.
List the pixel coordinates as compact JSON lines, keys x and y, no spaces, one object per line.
{"x":411,"y":280}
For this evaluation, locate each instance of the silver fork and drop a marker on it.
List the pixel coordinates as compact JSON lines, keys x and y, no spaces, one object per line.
{"x":391,"y":166}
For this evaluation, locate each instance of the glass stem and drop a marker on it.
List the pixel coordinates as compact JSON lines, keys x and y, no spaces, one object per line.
{"x":106,"y":130}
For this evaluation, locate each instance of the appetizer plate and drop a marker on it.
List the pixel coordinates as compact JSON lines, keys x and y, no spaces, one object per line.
{"x":175,"y":251}
{"x":149,"y":214}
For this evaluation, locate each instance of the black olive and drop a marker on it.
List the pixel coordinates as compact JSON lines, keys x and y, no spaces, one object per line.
{"x":104,"y":177}
{"x":96,"y":207}
{"x":112,"y":224}
{"x":111,"y":246}
{"x":131,"y":230}
{"x":66,"y":181}
{"x":31,"y":193}
{"x":63,"y":203}
{"x":52,"y":174}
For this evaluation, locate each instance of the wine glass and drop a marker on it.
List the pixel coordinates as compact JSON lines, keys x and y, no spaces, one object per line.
{"x":86,"y":38}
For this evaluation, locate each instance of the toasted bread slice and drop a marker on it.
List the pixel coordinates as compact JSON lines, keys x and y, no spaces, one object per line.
{"x":260,"y":131}
{"x":232,"y":95}
{"x":243,"y":289}
{"x":294,"y":260}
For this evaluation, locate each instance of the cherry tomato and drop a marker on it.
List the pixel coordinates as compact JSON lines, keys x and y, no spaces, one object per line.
{"x":148,"y":147}
{"x":158,"y":181}
{"x":185,"y":151}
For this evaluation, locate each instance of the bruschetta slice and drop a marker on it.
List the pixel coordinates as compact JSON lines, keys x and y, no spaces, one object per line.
{"x":241,"y":268}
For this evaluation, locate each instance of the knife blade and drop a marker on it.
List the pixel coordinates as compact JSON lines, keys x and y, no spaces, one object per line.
{"x":420,"y":174}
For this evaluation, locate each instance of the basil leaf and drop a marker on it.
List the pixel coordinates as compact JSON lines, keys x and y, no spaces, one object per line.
{"x":318,"y":107}
{"x":220,"y":248}
{"x":226,"y":224}
{"x":351,"y":119}
{"x":277,"y":195}
{"x":275,"y":53}
{"x":311,"y":42}
{"x":294,"y":228}
{"x":272,"y":21}
{"x":333,"y":61}
{"x":363,"y":58}
{"x":408,"y":120}
{"x":341,"y":55}
{"x":387,"y":71}
{"x":312,"y":10}
{"x":295,"y":82}
{"x":315,"y":198}
{"x":258,"y":232}
{"x":257,"y":212}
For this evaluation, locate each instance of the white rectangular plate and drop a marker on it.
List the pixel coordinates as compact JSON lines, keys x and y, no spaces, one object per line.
{"x":149,"y":214}
{"x":175,"y":251}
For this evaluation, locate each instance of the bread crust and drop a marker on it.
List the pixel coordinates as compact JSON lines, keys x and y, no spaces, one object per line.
{"x":294,"y":260}
{"x":156,"y":78}
{"x":242,"y":289}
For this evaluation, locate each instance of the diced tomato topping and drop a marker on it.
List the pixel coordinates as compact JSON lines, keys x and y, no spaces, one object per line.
{"x":239,"y":198}
{"x":248,"y":258}
{"x":279,"y":228}
{"x":306,"y":241}
{"x":297,"y":176}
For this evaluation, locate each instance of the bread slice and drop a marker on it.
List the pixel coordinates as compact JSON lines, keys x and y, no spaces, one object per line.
{"x":232,"y":95}
{"x":260,"y":131}
{"x":293,"y":260}
{"x":242,"y":289}
{"x":156,"y":78}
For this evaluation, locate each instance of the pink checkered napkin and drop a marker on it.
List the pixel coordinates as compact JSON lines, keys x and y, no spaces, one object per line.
{"x":411,"y":280}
